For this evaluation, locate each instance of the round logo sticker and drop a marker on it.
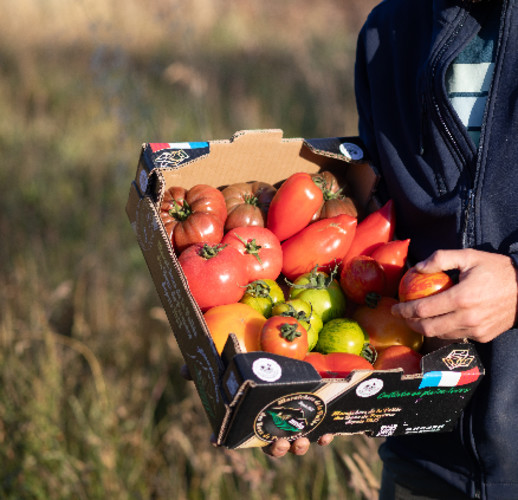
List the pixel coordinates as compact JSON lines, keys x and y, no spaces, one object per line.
{"x":290,"y":417}
{"x":267,"y":369}
{"x":351,"y":151}
{"x":369,"y":387}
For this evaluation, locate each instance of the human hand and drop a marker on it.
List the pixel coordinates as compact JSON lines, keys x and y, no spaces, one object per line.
{"x":480,"y":307}
{"x":300,"y":446}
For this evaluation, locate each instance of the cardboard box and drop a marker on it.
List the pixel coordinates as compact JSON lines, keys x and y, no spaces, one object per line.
{"x":254,"y":398}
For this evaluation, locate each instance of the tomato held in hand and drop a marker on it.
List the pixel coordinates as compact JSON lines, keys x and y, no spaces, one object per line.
{"x":392,"y":256}
{"x":384,"y":329}
{"x":399,"y":356}
{"x":415,"y":285}
{"x":293,"y":205}
{"x":240,"y":319}
{"x":193,"y":216}
{"x":247,"y":203}
{"x":363,"y":280}
{"x":337,"y":364}
{"x":260,"y":248}
{"x":285,"y":336}
{"x":216,"y":274}
{"x":323,"y":244}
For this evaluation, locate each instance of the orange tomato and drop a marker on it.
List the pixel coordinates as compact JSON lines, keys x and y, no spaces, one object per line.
{"x":399,"y":356}
{"x":415,"y":285}
{"x":240,"y":319}
{"x":384,"y":329}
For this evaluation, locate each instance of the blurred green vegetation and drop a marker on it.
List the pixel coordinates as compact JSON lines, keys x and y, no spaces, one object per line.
{"x":92,"y":405}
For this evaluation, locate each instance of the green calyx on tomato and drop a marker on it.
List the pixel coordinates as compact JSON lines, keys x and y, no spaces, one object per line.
{"x":251,"y":247}
{"x":210,"y":251}
{"x":322,"y":291}
{"x":262,"y":295}
{"x":289,"y":332}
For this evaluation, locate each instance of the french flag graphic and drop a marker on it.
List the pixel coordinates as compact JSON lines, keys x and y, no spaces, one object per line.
{"x":158,"y":146}
{"x":449,"y":379}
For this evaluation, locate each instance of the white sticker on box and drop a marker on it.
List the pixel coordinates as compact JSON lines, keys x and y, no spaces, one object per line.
{"x":369,"y":388}
{"x":351,"y":151}
{"x":267,"y":369}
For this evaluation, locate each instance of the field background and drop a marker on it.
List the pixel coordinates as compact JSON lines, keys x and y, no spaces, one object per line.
{"x":92,"y":405}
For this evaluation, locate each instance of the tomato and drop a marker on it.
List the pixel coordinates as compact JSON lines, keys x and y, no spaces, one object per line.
{"x":247,"y":203}
{"x":322,"y":291}
{"x":323,"y":244}
{"x":293,"y":205}
{"x":363,"y":280}
{"x":284,"y":335}
{"x":216,"y":274}
{"x":399,"y":356}
{"x":337,"y":364}
{"x":342,"y":335}
{"x":415,"y":285}
{"x":377,"y":228}
{"x":335,"y":202}
{"x":392,"y":256}
{"x":384,"y":329}
{"x":302,"y":311}
{"x":240,"y":319}
{"x":193,"y":216}
{"x":262,"y":295}
{"x":261,"y":249}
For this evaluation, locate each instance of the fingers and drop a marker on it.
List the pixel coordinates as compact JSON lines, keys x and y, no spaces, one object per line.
{"x":299,"y":447}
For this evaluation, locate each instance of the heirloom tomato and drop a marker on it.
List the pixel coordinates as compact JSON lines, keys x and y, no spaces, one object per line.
{"x":392,"y":256}
{"x":285,"y":336}
{"x":415,"y":285}
{"x":293,"y":205}
{"x":384,"y":329}
{"x":323,"y":244}
{"x":337,"y":364}
{"x":193,"y":216}
{"x":377,"y":228}
{"x":322,"y":291}
{"x":303,"y":312}
{"x":247,"y":203}
{"x":240,"y":319}
{"x":216,"y":274}
{"x":342,"y":335}
{"x":363,"y":280}
{"x":399,"y":356}
{"x":335,"y":201}
{"x":263,"y":295}
{"x":261,"y":249}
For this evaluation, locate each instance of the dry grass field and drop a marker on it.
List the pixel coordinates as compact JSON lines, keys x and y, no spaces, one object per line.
{"x":92,"y":405}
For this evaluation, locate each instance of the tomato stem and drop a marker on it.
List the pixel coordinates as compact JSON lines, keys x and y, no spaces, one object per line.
{"x":180,"y":212}
{"x":210,"y":251}
{"x":251,"y":247}
{"x":290,"y":332}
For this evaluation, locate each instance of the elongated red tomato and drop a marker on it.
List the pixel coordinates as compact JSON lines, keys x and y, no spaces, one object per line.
{"x":392,"y":256}
{"x":323,"y":244}
{"x":377,"y":228}
{"x":294,"y":205}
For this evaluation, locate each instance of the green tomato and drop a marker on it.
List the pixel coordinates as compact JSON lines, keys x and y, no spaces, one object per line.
{"x":342,"y":335}
{"x":262,"y":295}
{"x":301,"y":310}
{"x":323,"y":292}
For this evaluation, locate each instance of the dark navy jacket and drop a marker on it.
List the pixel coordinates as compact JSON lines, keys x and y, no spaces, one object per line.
{"x":449,"y":193}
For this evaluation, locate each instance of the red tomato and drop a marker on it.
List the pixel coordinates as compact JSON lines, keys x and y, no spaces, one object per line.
{"x":284,"y":335}
{"x":337,"y":364}
{"x":392,"y":256}
{"x":415,"y":285}
{"x":384,"y":329}
{"x":247,"y":203}
{"x":193,"y":216}
{"x":376,"y":228}
{"x":216,"y":274}
{"x":399,"y":356}
{"x":363,"y":280}
{"x":261,"y":249}
{"x":241,"y":319}
{"x":293,"y":205}
{"x":322,"y":244}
